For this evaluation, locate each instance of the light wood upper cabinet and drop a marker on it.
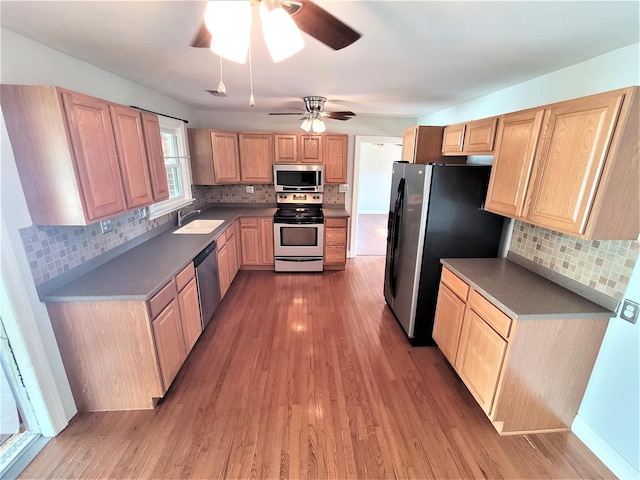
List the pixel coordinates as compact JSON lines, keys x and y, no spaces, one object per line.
{"x":298,"y":148}
{"x":155,"y":156}
{"x":226,"y":157}
{"x":134,"y":167}
{"x":471,"y":138}
{"x":256,"y":157}
{"x":581,"y":176}
{"x":286,"y":148}
{"x":422,"y":144}
{"x":516,"y":142}
{"x":77,"y":155}
{"x":335,"y":158}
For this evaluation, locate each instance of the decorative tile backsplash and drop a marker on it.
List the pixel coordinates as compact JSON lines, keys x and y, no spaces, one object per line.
{"x":53,"y":250}
{"x":604,"y":266}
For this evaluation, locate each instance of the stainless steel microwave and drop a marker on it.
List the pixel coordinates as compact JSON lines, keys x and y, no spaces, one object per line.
{"x":298,"y":178}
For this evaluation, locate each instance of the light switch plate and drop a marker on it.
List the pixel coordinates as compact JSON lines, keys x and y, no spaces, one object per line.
{"x":249,"y":189}
{"x":629,"y":311}
{"x":344,"y":187}
{"x":142,"y":213}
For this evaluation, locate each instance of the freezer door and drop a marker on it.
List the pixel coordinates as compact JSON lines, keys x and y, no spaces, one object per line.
{"x":405,"y":242}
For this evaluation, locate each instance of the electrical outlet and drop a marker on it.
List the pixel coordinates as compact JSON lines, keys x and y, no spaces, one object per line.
{"x":629,"y":311}
{"x":344,"y":187}
{"x":142,"y":213}
{"x":249,"y":189}
{"x":106,"y":225}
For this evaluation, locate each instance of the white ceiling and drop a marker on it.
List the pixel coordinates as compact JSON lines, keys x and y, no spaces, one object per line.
{"x":414,"y":57}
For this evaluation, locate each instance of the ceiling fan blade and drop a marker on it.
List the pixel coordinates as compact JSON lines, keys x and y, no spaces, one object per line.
{"x":202,"y":38}
{"x":285,"y":113}
{"x":340,"y":115}
{"x":323,"y":26}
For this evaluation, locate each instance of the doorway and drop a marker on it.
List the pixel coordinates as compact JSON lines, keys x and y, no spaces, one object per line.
{"x":374,"y":157}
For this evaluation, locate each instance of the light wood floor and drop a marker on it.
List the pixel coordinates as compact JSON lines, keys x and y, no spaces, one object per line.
{"x":372,"y":234}
{"x":309,"y":376}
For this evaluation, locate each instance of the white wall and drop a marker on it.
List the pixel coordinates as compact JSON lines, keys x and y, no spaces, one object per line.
{"x":607,"y":421}
{"x":374,"y":177}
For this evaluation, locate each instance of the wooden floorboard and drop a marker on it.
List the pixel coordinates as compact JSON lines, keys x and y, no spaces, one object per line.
{"x":309,"y":376}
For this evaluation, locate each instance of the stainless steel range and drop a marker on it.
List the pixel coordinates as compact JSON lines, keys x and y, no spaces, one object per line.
{"x":298,"y":228}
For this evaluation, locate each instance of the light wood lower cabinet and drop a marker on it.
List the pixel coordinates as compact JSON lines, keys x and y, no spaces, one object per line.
{"x":124,"y":354}
{"x":227,"y":258}
{"x":256,"y":239}
{"x":335,"y":243}
{"x":528,"y":375}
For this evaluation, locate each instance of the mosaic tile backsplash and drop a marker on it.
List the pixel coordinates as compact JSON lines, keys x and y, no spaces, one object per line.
{"x":604,"y":266}
{"x":52,"y":251}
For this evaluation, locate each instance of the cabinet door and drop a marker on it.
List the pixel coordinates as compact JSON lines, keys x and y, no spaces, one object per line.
{"x":233,"y":258}
{"x":335,"y":158}
{"x":569,"y":163}
{"x":226,"y":160}
{"x":409,"y":144}
{"x":286,"y":148}
{"x":127,"y":127}
{"x":250,"y":241}
{"x":479,"y":359}
{"x":452,"y":140}
{"x":167,"y":332}
{"x":223,"y":270}
{"x":516,"y":143}
{"x":447,"y":325}
{"x":256,"y":157}
{"x":190,"y":314}
{"x":94,"y":150}
{"x":266,"y":241}
{"x":335,"y":241}
{"x":155,"y":156}
{"x":238,"y":244}
{"x":310,"y":148}
{"x":479,"y":137}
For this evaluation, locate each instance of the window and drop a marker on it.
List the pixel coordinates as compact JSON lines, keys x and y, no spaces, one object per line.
{"x":176,"y":161}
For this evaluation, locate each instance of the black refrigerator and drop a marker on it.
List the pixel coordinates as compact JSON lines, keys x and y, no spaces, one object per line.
{"x":436,"y":211}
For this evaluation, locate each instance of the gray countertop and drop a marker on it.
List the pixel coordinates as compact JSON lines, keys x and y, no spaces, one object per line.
{"x":520,"y":293}
{"x":139,"y":273}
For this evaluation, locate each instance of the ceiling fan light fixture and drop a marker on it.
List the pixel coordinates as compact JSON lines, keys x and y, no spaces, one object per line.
{"x":306,"y":125}
{"x":317,"y":125}
{"x":229,"y":23}
{"x":281,"y":34}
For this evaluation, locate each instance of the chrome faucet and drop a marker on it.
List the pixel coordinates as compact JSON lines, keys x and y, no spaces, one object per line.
{"x":182,"y":216}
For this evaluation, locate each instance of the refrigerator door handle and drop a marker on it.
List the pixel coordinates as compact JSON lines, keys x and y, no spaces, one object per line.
{"x":395,"y":233}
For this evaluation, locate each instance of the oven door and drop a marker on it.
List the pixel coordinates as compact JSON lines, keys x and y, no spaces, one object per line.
{"x":298,"y":240}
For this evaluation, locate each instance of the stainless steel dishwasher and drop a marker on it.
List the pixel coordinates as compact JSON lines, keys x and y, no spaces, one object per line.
{"x":206,"y":264}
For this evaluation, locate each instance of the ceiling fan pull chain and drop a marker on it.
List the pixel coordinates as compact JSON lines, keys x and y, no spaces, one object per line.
{"x":222,"y":89}
{"x":252,"y":101}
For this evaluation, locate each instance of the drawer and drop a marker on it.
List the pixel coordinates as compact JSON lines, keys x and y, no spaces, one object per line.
{"x":221,"y":241}
{"x":455,"y":284}
{"x":249,"y":222}
{"x":231,"y":231}
{"x":335,"y":236}
{"x":335,"y":222}
{"x":500,"y":322}
{"x":185,"y":276}
{"x":335,"y":254}
{"x":162,"y":299}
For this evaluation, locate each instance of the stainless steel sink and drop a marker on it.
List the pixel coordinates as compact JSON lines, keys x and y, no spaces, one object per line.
{"x":200,"y":227}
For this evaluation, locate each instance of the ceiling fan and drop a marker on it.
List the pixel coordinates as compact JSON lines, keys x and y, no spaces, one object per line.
{"x":309,"y":18}
{"x":312,"y":117}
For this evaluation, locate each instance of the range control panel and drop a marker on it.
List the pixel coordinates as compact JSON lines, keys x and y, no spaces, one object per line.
{"x":306,"y":198}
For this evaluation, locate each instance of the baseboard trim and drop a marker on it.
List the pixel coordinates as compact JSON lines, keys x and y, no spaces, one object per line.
{"x":605,"y":452}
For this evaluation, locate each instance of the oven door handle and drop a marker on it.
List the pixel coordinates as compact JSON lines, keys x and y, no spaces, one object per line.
{"x":299,"y":259}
